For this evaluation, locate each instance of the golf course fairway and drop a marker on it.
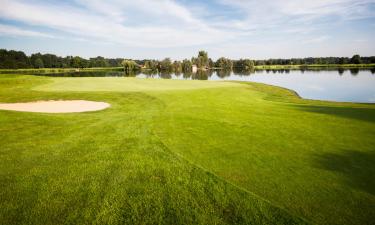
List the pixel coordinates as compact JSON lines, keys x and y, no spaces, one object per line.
{"x":183,"y":152}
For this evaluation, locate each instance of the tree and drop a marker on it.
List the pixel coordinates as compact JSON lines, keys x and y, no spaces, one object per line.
{"x":129,"y":66}
{"x":211,"y":63}
{"x":249,"y":64}
{"x":202,"y":60}
{"x":47,"y":60}
{"x":224,"y":63}
{"x":39,"y":63}
{"x":186,"y":65}
{"x":244,"y":64}
{"x":166,"y":64}
{"x":356,"y":59}
{"x":17,"y":59}
{"x":151,"y":64}
{"x":76,"y":62}
{"x":13,"y":59}
{"x":342,"y":60}
{"x":98,"y":62}
{"x":177,"y":66}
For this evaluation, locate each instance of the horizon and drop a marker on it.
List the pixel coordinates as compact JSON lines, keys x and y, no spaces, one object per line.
{"x":179,"y":29}
{"x":188,"y":58}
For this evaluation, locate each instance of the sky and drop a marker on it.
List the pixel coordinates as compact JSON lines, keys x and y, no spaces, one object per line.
{"x":145,"y":29}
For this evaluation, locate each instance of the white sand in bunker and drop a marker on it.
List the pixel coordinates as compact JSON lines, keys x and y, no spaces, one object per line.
{"x":61,"y":106}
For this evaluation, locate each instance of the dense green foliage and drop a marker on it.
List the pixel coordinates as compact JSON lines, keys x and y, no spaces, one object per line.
{"x":245,"y":64}
{"x":13,"y":59}
{"x":356,"y":59}
{"x":166,"y":65}
{"x":39,"y":63}
{"x":17,"y":60}
{"x":202,"y":61}
{"x":224,"y":63}
{"x":186,"y":65}
{"x":183,"y":152}
{"x":130,"y":66}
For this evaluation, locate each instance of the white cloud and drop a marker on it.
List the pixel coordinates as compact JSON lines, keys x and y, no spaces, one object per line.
{"x":98,"y":22}
{"x":264,"y":29}
{"x":315,"y":39}
{"x":269,"y":13}
{"x":6,"y":30}
{"x":161,"y":8}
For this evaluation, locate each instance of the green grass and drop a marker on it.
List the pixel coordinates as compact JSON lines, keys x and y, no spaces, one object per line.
{"x":56,"y":70}
{"x":125,"y":84}
{"x":184,"y":152}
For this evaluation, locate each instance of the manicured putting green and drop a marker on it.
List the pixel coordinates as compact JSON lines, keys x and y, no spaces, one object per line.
{"x":123,"y":84}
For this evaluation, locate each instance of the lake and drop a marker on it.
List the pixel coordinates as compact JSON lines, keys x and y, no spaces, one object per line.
{"x":342,"y":86}
{"x":334,"y":85}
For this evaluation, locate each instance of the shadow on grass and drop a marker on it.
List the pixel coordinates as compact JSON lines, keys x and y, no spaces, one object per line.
{"x":364,"y":114}
{"x":356,"y":168}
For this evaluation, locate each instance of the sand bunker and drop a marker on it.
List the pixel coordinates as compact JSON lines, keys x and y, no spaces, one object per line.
{"x":70,"y":106}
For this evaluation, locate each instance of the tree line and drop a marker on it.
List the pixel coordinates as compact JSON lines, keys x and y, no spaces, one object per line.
{"x":356,"y":59}
{"x":19,"y":60}
{"x":201,"y":62}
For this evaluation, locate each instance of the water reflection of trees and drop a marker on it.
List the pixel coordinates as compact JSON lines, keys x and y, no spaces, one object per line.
{"x":281,"y":71}
{"x":223,"y":73}
{"x":169,"y":74}
{"x":207,"y":74}
{"x":150,"y":72}
{"x":199,"y":75}
{"x":341,"y":71}
{"x":354,"y":71}
{"x":202,"y":75}
{"x":166,"y":74}
{"x":243,"y":72}
{"x":187,"y":75}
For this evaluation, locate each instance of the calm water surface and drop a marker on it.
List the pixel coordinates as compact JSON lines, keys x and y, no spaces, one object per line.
{"x":322,"y":85}
{"x":343,"y":85}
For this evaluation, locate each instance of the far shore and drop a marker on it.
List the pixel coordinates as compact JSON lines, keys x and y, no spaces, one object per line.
{"x":257,"y":67}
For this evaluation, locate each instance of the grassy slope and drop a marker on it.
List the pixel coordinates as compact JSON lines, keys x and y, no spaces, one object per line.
{"x":108,"y":167}
{"x":184,"y":152}
{"x":313,"y":158}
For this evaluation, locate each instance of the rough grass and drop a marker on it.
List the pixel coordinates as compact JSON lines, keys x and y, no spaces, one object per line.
{"x":184,"y":152}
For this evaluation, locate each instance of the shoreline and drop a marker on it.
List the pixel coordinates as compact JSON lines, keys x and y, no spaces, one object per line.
{"x":271,"y":67}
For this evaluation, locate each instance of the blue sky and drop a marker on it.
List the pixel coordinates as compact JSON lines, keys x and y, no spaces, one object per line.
{"x":179,"y":28}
